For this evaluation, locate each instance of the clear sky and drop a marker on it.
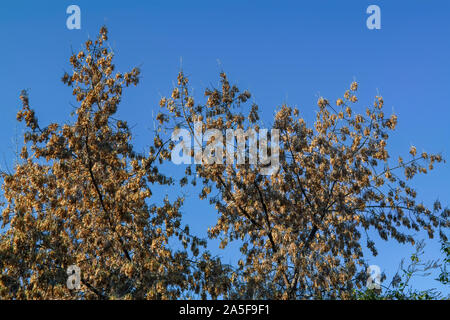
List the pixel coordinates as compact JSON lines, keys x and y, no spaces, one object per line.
{"x":282,"y":51}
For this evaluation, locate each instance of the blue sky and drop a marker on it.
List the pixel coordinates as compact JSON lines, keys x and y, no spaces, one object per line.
{"x":282,"y":51}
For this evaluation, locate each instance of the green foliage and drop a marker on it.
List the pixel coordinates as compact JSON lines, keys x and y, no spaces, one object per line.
{"x":400,"y":288}
{"x":444,"y":276}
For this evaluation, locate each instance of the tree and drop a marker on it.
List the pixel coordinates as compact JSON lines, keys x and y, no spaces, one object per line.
{"x":82,"y":196}
{"x":301,"y":226}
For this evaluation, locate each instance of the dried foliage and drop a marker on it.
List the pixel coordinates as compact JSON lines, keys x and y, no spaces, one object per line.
{"x":301,"y":227}
{"x":82,"y":196}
